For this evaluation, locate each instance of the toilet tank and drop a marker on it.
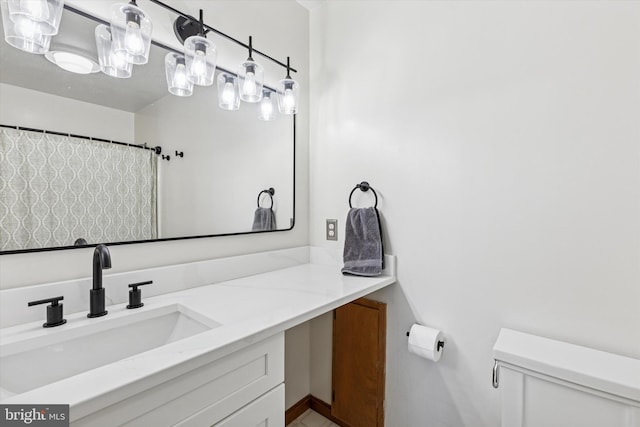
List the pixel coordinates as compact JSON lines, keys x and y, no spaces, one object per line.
{"x":549,"y":383}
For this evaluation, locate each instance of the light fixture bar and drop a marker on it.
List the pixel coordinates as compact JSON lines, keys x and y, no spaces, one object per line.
{"x":220,"y":33}
{"x":102,"y":21}
{"x":169,"y":48}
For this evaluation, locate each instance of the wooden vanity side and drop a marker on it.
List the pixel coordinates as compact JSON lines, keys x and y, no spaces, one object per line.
{"x":358,"y":374}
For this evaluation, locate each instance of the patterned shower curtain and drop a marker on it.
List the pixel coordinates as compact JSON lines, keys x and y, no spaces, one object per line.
{"x":55,"y":189}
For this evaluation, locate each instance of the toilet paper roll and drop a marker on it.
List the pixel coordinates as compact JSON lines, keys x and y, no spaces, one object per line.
{"x":423,"y":341}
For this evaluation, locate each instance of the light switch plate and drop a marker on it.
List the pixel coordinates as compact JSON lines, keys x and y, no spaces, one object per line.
{"x":332,"y":229}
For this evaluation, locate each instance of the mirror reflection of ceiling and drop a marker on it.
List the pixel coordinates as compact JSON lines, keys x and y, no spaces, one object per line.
{"x":132,"y":94}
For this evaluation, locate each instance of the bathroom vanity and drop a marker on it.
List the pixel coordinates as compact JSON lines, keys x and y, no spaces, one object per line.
{"x":207,"y":347}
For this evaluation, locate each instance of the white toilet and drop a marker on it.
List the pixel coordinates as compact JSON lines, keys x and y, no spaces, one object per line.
{"x":548,"y":383}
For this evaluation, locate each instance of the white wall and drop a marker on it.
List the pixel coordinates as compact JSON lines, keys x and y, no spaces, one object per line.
{"x":30,"y":108}
{"x":217,"y":144}
{"x":503,"y":140}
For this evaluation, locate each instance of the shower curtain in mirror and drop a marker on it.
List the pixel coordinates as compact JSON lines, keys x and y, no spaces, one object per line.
{"x":55,"y":189}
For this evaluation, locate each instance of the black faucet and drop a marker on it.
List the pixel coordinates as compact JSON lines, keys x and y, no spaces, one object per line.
{"x":101,"y":259}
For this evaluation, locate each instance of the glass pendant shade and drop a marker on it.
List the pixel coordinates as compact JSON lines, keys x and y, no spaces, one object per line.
{"x":41,"y":16}
{"x":112,"y":63}
{"x":228,"y":96}
{"x":177,"y":77}
{"x":200,"y":55}
{"x":250,"y":76}
{"x":23,"y":33}
{"x":131,"y":32}
{"x":267,"y":109}
{"x":288,"y":96}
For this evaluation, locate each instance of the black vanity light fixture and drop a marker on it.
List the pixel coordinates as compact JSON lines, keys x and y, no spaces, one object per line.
{"x":251,"y":78}
{"x":112,"y":63}
{"x":131,"y":32}
{"x":248,"y":83}
{"x":267,"y":110}
{"x":288,"y":93}
{"x":200,"y":55}
{"x":197,"y":65}
{"x":178,"y":82}
{"x":228,"y":93}
{"x":30,"y":24}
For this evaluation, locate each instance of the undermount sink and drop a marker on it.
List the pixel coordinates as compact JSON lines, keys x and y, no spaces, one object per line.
{"x":32,"y":363}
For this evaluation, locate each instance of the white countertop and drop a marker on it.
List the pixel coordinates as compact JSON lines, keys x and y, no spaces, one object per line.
{"x":249,"y":309}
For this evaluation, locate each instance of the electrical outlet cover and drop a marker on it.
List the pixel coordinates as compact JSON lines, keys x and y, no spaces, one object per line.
{"x":332,"y":229}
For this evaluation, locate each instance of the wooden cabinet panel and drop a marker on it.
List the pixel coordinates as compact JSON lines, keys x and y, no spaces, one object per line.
{"x":359,"y":339}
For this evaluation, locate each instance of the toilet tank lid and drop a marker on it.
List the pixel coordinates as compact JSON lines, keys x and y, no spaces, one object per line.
{"x":600,"y":370}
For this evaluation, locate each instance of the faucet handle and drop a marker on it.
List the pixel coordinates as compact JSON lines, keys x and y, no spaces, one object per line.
{"x":135,"y":294}
{"x":54,"y":311}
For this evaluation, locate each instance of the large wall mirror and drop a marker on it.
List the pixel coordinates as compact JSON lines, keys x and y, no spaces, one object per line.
{"x":211,"y":177}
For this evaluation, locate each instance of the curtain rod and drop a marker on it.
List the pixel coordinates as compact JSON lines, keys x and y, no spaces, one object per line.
{"x":220,"y":33}
{"x":156,"y":149}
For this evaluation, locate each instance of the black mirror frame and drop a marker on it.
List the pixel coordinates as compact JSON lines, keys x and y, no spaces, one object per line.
{"x":79,"y":246}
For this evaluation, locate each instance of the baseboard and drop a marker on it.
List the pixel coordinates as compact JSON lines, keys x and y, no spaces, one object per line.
{"x":297,"y":409}
{"x":324,"y":409}
{"x":313,"y":403}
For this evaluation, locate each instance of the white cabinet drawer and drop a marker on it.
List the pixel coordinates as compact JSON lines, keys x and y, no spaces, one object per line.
{"x":203,"y":396}
{"x":267,"y":411}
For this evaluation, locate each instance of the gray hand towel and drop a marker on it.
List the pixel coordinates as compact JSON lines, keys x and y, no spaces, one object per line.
{"x":363,"y":243}
{"x":264,"y":220}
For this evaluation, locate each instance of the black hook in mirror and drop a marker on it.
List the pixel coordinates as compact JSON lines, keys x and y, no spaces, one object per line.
{"x":270,"y":192}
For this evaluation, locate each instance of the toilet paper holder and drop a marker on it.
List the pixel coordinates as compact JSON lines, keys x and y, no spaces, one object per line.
{"x":439,"y":346}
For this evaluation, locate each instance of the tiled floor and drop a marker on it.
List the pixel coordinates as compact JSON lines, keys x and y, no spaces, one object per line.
{"x":311,"y":419}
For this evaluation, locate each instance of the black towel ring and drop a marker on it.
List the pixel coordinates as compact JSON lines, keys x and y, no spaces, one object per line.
{"x":364,"y":186}
{"x":270,"y":192}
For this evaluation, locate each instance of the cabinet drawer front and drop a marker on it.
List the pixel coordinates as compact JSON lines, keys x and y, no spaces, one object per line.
{"x":267,"y":411}
{"x":202,"y":396}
